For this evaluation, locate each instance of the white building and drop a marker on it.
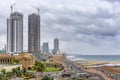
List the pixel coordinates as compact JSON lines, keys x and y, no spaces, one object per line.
{"x":15,"y":33}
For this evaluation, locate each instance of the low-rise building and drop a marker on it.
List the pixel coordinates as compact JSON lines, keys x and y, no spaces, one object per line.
{"x":6,"y":58}
{"x":27,"y":60}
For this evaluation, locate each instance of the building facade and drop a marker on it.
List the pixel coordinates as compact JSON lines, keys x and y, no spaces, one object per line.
{"x":45,"y":47}
{"x":34,"y":33}
{"x":27,"y":60}
{"x":15,"y":33}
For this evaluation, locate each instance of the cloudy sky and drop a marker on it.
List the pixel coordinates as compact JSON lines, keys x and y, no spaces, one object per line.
{"x":83,"y":26}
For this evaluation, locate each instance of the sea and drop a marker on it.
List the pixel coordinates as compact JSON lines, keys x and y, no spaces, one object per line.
{"x":108,"y":58}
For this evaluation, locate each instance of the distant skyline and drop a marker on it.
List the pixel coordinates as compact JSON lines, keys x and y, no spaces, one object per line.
{"x":82,"y":26}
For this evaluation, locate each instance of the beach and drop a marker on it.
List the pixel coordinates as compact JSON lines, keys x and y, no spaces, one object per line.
{"x":92,"y":63}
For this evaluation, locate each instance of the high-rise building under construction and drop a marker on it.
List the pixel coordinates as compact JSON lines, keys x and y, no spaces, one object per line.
{"x":15,"y":33}
{"x":34,"y":33}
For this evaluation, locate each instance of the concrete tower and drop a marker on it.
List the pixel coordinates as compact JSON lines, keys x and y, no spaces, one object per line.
{"x":56,"y":46}
{"x":34,"y":33}
{"x":15,"y":33}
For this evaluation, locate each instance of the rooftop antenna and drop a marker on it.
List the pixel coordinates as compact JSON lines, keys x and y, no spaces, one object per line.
{"x":38,"y":9}
{"x":12,"y":7}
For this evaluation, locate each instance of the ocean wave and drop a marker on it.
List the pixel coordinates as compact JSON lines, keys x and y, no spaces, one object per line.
{"x":73,"y":58}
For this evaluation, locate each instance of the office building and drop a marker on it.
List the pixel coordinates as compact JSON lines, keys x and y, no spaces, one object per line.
{"x":56,"y":45}
{"x":45,"y":47}
{"x":15,"y":33}
{"x":34,"y":33}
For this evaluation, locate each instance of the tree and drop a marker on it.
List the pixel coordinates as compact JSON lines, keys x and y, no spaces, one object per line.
{"x":9,"y":74}
{"x":15,"y":60}
{"x":14,"y":71}
{"x":17,"y":71}
{"x":39,"y":67}
{"x":4,"y":76}
{"x":3,"y":71}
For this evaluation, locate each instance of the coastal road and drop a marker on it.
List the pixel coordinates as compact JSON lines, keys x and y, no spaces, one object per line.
{"x":99,"y":72}
{"x":76,"y":68}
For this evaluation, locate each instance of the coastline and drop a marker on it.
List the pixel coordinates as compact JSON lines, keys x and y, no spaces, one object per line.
{"x":92,"y":62}
{"x":109,"y":70}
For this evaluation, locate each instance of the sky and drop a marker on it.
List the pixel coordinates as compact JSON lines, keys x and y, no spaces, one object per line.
{"x":90,"y":27}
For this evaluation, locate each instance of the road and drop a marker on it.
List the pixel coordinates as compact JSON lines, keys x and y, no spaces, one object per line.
{"x":72,"y":66}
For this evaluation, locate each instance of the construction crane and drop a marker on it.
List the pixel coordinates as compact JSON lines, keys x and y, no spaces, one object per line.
{"x":12,"y":7}
{"x":36,"y":8}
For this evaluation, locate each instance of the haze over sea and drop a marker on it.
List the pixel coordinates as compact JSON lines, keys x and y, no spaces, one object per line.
{"x":108,"y":58}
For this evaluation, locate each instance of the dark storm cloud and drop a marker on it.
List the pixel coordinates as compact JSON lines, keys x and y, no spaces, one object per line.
{"x":113,"y":0}
{"x":82,"y":22}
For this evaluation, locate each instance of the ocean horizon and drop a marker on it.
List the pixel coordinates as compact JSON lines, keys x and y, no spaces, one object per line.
{"x":108,"y":58}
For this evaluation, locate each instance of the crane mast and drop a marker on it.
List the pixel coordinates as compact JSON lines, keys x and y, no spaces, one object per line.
{"x":12,"y":7}
{"x":38,"y":9}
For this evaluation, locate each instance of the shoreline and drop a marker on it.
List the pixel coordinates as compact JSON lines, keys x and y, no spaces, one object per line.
{"x":102,"y":58}
{"x":93,"y":63}
{"x":108,"y":70}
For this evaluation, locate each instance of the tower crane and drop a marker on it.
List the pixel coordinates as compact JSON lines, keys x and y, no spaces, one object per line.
{"x":12,"y":7}
{"x":38,"y":9}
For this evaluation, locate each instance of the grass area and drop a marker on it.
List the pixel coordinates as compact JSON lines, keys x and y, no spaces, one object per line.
{"x":60,"y":78}
{"x":31,"y":70}
{"x":47,"y":69}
